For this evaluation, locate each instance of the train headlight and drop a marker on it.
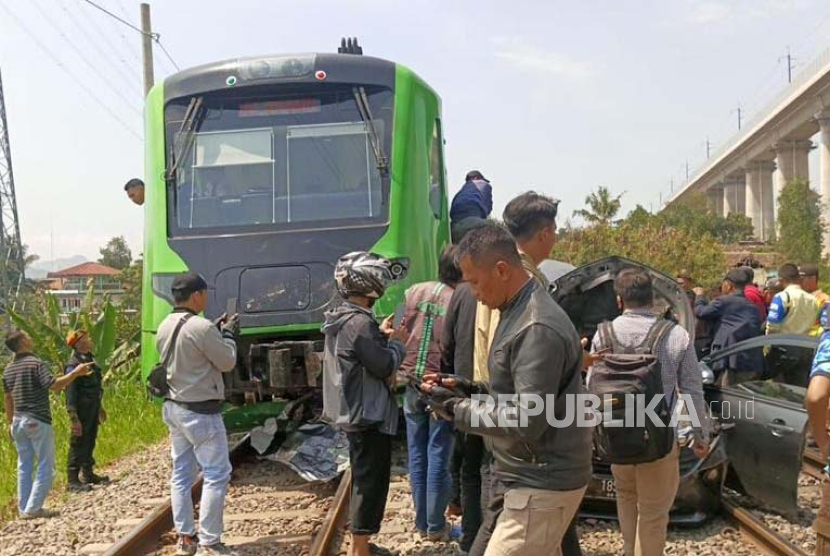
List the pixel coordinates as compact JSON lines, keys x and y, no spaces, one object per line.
{"x":399,"y":268}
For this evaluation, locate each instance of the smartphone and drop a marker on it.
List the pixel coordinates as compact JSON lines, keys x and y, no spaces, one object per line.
{"x":399,"y":313}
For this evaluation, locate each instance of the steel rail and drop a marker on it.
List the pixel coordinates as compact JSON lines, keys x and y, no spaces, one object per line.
{"x":145,"y":536}
{"x":322,"y":543}
{"x":755,"y":531}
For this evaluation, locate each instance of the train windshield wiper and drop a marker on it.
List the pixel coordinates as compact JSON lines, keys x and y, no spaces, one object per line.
{"x":366,"y":115}
{"x":184,"y":138}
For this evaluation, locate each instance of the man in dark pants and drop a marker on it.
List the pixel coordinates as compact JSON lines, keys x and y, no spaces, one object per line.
{"x":457,"y":359}
{"x":83,"y":402}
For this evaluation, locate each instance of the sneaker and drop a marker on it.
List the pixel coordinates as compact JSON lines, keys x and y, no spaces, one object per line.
{"x":218,"y":549}
{"x":42,"y":513}
{"x":187,"y":545}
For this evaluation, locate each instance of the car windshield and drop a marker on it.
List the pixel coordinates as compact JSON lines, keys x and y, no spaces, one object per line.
{"x":277,"y":161}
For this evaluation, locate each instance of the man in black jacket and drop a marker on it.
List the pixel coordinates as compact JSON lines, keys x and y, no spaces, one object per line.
{"x":83,"y":402}
{"x":457,"y":359}
{"x":734,"y":318}
{"x":535,"y":352}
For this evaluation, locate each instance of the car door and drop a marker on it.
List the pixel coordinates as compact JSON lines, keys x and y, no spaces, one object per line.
{"x":763,"y":424}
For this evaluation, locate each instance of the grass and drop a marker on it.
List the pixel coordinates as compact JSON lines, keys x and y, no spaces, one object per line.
{"x":133,"y":423}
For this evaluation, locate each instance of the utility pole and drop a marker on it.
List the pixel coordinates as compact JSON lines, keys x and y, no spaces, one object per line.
{"x":708,"y":149}
{"x":739,"y":116}
{"x":789,"y":59}
{"x":11,"y":253}
{"x":687,"y":170}
{"x":147,"y":47}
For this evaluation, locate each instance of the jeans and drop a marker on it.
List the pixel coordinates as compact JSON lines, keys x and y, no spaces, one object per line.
{"x":429,"y":442}
{"x":34,"y":440}
{"x":198,"y":440}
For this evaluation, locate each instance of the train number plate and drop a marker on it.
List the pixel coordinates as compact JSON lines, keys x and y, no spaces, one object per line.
{"x":608,"y":488}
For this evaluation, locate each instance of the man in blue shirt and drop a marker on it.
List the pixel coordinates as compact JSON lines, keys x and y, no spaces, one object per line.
{"x":471,"y":205}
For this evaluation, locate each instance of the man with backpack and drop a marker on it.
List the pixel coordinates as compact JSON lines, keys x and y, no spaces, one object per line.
{"x":645,"y":353}
{"x":195,"y":353}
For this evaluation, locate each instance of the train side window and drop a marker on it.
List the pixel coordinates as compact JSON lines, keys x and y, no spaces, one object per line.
{"x":436,"y":172}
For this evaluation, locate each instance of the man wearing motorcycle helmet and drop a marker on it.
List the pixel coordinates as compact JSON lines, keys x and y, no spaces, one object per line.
{"x":358,"y":397}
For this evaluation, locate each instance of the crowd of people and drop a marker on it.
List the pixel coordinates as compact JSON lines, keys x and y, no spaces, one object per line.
{"x":487,"y":326}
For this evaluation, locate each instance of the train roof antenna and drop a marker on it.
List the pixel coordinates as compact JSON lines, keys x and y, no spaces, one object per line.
{"x":350,"y":46}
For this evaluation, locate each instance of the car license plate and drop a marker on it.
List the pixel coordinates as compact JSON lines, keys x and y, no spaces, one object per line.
{"x":608,"y":488}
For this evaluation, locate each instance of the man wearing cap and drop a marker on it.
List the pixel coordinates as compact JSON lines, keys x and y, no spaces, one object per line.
{"x":202,"y":351}
{"x":471,"y":205}
{"x":83,"y":402}
{"x":734,"y":318}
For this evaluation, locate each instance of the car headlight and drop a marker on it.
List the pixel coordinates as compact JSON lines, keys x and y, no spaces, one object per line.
{"x":706,"y":374}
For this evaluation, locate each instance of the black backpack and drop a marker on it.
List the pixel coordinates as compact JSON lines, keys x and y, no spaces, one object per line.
{"x":622,"y":372}
{"x":157,"y":385}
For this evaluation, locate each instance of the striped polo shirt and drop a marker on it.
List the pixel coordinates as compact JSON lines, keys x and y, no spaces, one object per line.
{"x":28,"y":380}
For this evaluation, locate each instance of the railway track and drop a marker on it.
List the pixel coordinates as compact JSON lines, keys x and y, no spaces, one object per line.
{"x":301,"y":503}
{"x":759,"y":534}
{"x":813,"y":463}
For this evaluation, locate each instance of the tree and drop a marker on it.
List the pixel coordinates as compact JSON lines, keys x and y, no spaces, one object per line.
{"x":639,"y":217}
{"x":696,"y":214}
{"x":116,"y":253}
{"x":131,"y":282}
{"x":664,"y":248}
{"x":800,"y":223}
{"x":602,"y":207}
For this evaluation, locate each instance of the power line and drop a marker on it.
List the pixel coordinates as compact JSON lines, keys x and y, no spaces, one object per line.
{"x":112,"y":15}
{"x":72,"y":75}
{"x":110,"y":53}
{"x":85,"y":59}
{"x":154,"y":36}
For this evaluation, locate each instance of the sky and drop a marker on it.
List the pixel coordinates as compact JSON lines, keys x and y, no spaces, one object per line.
{"x":556,"y":96}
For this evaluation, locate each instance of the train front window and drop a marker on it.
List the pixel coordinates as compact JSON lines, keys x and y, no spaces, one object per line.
{"x":279,"y":162}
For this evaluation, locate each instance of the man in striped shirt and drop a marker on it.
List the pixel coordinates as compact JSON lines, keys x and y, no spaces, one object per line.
{"x":26,"y":385}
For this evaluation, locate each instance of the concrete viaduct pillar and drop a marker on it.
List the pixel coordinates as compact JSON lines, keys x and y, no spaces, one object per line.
{"x":823,"y":119}
{"x":715,"y":195}
{"x":734,"y":196}
{"x":792,"y":161}
{"x":759,"y":198}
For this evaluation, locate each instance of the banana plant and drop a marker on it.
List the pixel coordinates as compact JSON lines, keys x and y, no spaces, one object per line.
{"x":48,"y":328}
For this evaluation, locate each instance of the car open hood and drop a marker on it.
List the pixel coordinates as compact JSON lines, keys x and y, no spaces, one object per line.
{"x":587,"y":295}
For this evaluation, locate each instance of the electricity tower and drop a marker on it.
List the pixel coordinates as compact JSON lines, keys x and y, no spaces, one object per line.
{"x":11,"y":252}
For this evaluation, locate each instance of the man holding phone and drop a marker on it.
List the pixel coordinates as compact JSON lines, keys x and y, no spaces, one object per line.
{"x":429,"y":440}
{"x":202,"y":352}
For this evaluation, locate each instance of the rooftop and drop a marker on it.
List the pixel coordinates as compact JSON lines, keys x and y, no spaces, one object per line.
{"x":85,"y":269}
